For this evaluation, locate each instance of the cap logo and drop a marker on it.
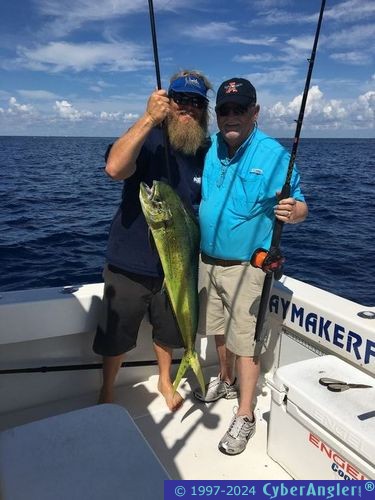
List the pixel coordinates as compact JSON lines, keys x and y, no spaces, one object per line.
{"x":231,"y":88}
{"x":190,"y":80}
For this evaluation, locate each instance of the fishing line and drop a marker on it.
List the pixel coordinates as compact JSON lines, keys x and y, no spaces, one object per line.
{"x":158,"y":80}
{"x":274,"y":254}
{"x":87,"y":366}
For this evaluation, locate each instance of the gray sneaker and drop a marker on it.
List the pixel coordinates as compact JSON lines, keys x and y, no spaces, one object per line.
{"x":240,"y":430}
{"x":217,"y":389}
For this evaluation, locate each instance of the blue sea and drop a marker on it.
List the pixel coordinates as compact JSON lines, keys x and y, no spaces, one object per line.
{"x":56,"y":205}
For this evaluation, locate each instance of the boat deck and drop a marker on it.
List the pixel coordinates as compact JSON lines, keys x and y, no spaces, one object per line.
{"x":185,"y":441}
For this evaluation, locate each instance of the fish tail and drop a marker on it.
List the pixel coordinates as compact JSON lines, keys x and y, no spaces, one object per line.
{"x":197,"y":369}
{"x":181,"y":370}
{"x":190,"y":358}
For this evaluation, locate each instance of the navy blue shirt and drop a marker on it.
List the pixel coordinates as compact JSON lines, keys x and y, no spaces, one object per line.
{"x":129,"y":245}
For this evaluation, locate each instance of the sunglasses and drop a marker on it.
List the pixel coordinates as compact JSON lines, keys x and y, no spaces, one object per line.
{"x":237,"y":110}
{"x":188,"y":100}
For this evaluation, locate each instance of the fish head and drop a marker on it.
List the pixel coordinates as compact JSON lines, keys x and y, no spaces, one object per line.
{"x":155,"y":203}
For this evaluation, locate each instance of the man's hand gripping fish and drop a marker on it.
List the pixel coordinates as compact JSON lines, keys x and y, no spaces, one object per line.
{"x":176,"y":236}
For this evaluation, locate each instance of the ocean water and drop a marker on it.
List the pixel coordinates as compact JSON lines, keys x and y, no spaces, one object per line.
{"x":56,"y":205}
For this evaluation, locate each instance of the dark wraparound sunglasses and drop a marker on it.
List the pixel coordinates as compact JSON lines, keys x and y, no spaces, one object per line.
{"x":236,"y":109}
{"x":188,"y":100}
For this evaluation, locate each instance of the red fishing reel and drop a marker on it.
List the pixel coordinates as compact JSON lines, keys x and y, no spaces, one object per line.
{"x":271,"y":261}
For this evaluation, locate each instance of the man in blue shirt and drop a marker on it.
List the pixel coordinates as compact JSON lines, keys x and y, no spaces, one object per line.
{"x":133,"y":275}
{"x":244,"y":169}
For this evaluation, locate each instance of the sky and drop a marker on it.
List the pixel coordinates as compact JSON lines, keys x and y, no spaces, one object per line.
{"x":86,"y":67}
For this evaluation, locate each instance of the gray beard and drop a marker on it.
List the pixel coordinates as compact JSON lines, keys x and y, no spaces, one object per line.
{"x":185,"y":137}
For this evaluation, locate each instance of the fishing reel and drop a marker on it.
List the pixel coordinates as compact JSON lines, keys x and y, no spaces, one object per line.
{"x":271,"y":261}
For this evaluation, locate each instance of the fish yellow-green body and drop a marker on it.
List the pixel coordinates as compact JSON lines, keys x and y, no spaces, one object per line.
{"x":176,"y":235}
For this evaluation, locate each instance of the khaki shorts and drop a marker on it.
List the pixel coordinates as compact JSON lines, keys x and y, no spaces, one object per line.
{"x":229,"y":299}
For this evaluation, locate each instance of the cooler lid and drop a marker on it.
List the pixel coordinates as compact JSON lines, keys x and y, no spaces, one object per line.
{"x":350,"y":415}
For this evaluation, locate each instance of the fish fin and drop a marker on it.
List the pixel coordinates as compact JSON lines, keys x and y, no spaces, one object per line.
{"x":197,"y":369}
{"x":185,"y":362}
{"x":190,"y":358}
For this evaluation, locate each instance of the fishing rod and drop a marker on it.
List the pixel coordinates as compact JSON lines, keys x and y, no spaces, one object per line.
{"x":88,"y":366}
{"x":273,"y":261}
{"x":158,"y":80}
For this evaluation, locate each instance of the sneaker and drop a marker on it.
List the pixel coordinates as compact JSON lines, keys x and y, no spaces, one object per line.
{"x":240,"y":430}
{"x":217,"y":389}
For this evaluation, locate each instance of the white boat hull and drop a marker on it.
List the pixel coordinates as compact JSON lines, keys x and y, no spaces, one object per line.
{"x":47,"y":328}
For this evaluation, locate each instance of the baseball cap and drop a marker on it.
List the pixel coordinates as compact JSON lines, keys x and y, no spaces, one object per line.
{"x":189,"y":83}
{"x":237,"y":90}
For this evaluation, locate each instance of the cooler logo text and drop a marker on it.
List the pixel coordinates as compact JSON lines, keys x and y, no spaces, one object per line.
{"x":339,"y":465}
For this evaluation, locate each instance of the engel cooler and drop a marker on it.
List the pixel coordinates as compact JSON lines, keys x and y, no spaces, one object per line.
{"x":315,"y":433}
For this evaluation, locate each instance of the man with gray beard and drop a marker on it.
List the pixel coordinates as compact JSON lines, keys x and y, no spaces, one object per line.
{"x":133,"y":274}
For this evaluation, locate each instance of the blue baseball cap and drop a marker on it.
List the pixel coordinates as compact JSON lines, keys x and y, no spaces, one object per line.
{"x":189,"y":83}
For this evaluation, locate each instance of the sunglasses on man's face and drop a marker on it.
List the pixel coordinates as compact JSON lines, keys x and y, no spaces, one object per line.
{"x":237,"y":110}
{"x":188,"y":100}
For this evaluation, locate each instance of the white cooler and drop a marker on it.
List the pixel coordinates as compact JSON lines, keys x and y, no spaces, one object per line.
{"x":318,"y":434}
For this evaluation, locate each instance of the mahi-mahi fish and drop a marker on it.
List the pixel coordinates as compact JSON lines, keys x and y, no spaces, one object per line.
{"x":176,"y":235}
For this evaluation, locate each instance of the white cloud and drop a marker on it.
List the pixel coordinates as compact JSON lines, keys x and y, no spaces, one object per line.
{"x":65,"y":16}
{"x":97,"y":9}
{"x":15,"y":115}
{"x":315,"y":105}
{"x":225,"y":32}
{"x":364,"y":109}
{"x":103,"y":84}
{"x":351,"y":10}
{"x":279,"y":75}
{"x":66,"y":111}
{"x":355,"y":45}
{"x":267,"y":41}
{"x":100,"y":85}
{"x":210,"y":31}
{"x":297,"y":48}
{"x":68,"y":15}
{"x":301,"y":43}
{"x":334,"y":110}
{"x":118,"y":116}
{"x":343,"y":12}
{"x":111,"y":116}
{"x":322,"y":113}
{"x":356,"y":58}
{"x":95,"y":88}
{"x":40,"y":95}
{"x":279,"y":17}
{"x":61,"y":56}
{"x":4,"y":95}
{"x":89,"y":9}
{"x":18,"y":109}
{"x":130,"y":116}
{"x":254,"y":58}
{"x":359,"y":35}
{"x":262,"y":4}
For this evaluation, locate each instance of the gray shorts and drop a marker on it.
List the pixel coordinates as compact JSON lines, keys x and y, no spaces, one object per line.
{"x":127,"y":298}
{"x":229,"y":298}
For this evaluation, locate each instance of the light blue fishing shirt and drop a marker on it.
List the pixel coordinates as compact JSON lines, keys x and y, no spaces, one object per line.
{"x":236,"y":214}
